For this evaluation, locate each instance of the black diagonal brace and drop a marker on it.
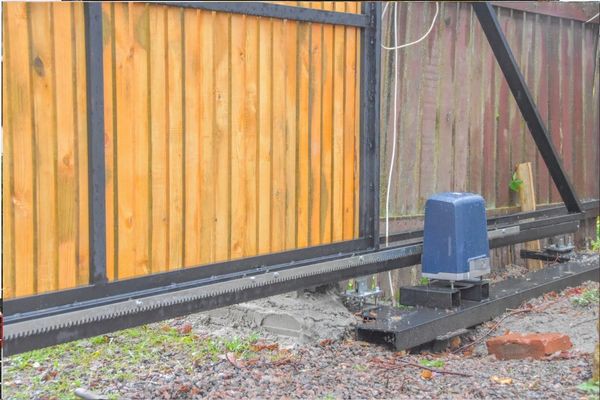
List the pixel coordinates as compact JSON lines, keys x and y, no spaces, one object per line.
{"x":489,"y":22}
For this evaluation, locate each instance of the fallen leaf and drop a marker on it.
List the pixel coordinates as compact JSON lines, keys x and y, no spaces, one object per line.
{"x":165,"y":328}
{"x":325,"y":342}
{"x":185,"y":329}
{"x":233,"y":360}
{"x":502,"y":381}
{"x":455,"y":342}
{"x":426,"y":374}
{"x":259,"y":346}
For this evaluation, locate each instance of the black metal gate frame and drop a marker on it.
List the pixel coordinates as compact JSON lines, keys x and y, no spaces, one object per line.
{"x":406,"y":251}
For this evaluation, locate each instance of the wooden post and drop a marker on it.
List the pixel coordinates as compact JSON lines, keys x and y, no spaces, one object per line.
{"x":528,"y":203}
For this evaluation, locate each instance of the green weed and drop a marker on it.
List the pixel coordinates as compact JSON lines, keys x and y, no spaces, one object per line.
{"x":431,"y":363}
{"x":586,"y":298}
{"x":590,"y":387}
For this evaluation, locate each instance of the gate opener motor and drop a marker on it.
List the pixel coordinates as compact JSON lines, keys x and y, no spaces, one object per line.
{"x":456,"y":252}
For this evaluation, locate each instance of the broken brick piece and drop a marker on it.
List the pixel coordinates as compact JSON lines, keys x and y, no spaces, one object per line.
{"x":534,"y":345}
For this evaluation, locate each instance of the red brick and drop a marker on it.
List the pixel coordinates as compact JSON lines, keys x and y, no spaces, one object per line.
{"x":534,"y":345}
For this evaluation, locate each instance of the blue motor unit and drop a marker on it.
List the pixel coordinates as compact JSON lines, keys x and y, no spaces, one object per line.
{"x":455,"y":242}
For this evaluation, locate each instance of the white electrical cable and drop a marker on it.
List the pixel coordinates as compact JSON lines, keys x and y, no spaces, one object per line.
{"x":591,"y":19}
{"x":437,"y":9}
{"x":395,"y":128}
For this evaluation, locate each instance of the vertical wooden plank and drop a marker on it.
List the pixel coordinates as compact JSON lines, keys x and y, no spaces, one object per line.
{"x":303,"y":166}
{"x":530,"y":45}
{"x":83,"y":257}
{"x":503,"y":167}
{"x":349,"y":129}
{"x":192,"y":132}
{"x":250,"y":113}
{"x":109,"y":135}
{"x":66,"y":150}
{"x":8,"y":242}
{"x":315,"y":94}
{"x":23,"y":142}
{"x":429,"y":93}
{"x":541,"y":68}
{"x":462,"y":84}
{"x":554,"y":101}
{"x":278,"y":94}
{"x":488,"y":83}
{"x":238,"y":150}
{"x":445,"y":115}
{"x":515,"y":30}
{"x":567,"y":81}
{"x":222,"y":49}
{"x":206,"y":115}
{"x":125,"y":158}
{"x":327,"y":133}
{"x":265,"y":127}
{"x":291,"y":132}
{"x":357,"y":130}
{"x":475,"y":57}
{"x":409,"y":109}
{"x":528,"y":203}
{"x":159,"y":138}
{"x":338,"y":128}
{"x":44,"y":124}
{"x":174,"y":68}
{"x":139,"y":15}
{"x":577,"y":133}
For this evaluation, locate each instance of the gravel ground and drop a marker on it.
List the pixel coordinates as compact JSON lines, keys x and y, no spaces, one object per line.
{"x":178,"y":360}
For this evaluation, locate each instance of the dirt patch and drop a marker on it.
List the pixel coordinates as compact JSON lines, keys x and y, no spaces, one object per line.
{"x":293,"y":318}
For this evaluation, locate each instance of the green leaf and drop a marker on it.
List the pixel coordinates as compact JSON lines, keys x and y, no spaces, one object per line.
{"x":590,"y":387}
{"x":515,"y":183}
{"x":432,"y":363}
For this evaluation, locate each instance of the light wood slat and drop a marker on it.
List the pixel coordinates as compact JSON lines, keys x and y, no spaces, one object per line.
{"x":238,"y":149}
{"x":207,"y":150}
{"x":327,"y":121}
{"x":20,"y":104}
{"x":126,"y":153}
{"x":159,"y":138}
{"x":278,"y":93}
{"x":8,"y":242}
{"x":175,"y":136}
{"x":315,"y":96}
{"x":222,"y":46}
{"x":44,"y":125}
{"x":67,"y":190}
{"x":265,"y":133}
{"x":291,"y":92}
{"x":192,"y":132}
{"x":338,"y":128}
{"x":83,"y":257}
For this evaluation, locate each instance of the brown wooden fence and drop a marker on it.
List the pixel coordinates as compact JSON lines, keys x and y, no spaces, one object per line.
{"x":227,"y":136}
{"x":459,"y":127}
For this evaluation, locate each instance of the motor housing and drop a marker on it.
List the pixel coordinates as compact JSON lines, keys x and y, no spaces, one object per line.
{"x":455,"y":242}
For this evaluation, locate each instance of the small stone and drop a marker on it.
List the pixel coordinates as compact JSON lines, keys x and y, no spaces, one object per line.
{"x":534,"y":345}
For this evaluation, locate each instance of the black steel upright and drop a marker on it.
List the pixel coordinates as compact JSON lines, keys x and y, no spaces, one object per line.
{"x":370,"y":69}
{"x":95,"y":138}
{"x":491,"y":27}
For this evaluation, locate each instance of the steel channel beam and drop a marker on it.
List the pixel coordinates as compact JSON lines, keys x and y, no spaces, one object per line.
{"x":260,"y":9}
{"x":25,"y":335}
{"x":95,"y":130}
{"x":493,"y":32}
{"x":590,"y":208}
{"x":424,"y":325}
{"x":160,"y":281}
{"x":369,"y":123}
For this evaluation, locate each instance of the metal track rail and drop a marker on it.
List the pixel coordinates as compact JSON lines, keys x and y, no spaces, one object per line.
{"x":48,"y":326}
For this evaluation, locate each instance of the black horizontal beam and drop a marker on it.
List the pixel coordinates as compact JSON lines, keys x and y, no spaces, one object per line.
{"x":222,"y":271}
{"x":260,"y":9}
{"x":591,"y":209}
{"x":426,"y":324}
